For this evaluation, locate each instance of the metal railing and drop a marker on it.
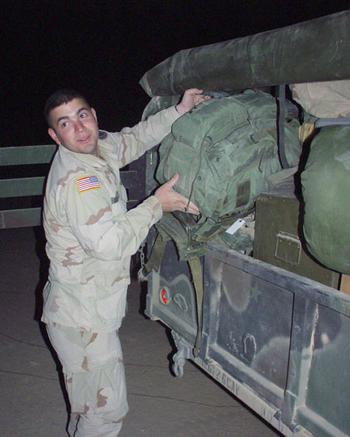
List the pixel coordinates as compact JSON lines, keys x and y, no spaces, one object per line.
{"x":24,"y":188}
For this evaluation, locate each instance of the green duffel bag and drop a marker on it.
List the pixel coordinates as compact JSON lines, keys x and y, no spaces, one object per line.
{"x":326,"y":193}
{"x":224,"y":151}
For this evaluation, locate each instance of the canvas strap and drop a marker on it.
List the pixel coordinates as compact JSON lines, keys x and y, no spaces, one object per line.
{"x":341,"y":121}
{"x":156,"y":254}
{"x":197,"y":277}
{"x":281,"y":117}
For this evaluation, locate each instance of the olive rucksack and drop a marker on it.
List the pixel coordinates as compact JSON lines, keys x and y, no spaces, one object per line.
{"x":224,"y":151}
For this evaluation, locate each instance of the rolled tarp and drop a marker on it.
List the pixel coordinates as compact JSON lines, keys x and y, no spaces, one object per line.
{"x":314,"y":50}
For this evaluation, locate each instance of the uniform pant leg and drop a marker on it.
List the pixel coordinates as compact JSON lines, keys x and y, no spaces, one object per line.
{"x":95,"y":381}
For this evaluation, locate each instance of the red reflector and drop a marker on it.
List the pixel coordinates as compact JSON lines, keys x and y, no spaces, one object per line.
{"x":163,"y":296}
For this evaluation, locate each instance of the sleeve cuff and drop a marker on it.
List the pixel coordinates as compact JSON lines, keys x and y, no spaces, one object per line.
{"x":153,"y":203}
{"x":174,"y":114}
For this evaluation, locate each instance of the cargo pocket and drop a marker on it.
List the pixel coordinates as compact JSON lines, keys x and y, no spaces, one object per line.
{"x":111,"y":391}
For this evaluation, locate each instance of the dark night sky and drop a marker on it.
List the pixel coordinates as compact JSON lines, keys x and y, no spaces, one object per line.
{"x":102,"y":48}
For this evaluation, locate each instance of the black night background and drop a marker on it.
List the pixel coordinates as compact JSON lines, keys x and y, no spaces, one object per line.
{"x":102,"y":48}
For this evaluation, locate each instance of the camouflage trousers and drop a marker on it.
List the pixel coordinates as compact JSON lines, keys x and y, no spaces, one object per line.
{"x":94,"y":376}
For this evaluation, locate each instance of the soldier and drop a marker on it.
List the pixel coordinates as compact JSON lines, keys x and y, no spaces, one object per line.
{"x":90,"y":239}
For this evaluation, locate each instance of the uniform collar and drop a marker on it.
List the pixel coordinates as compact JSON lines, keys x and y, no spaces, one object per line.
{"x":94,"y":161}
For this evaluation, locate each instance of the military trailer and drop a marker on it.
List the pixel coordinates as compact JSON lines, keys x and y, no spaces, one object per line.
{"x":271,"y":325}
{"x":265,"y":319}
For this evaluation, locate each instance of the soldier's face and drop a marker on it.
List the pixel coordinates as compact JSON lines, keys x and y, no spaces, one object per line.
{"x":74,"y":126}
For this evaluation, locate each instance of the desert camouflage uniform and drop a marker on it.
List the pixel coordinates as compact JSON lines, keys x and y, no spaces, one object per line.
{"x":90,"y":239}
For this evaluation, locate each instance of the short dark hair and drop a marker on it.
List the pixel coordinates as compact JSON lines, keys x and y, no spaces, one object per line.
{"x":58,"y":98}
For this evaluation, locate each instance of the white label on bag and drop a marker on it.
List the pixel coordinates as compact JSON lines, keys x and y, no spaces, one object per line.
{"x":235,"y":226}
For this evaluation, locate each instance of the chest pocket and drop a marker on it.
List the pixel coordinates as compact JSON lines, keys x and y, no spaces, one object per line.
{"x":117,"y":192}
{"x":119,"y":201}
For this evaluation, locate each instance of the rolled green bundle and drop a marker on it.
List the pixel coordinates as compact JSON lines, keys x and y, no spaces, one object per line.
{"x":326,"y":192}
{"x":314,"y":50}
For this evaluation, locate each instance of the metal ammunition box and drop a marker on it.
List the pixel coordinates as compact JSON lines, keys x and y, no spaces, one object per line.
{"x":279,"y":241}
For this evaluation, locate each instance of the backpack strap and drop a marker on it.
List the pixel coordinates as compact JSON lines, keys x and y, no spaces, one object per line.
{"x":340,"y":121}
{"x":197,"y":277}
{"x":281,"y":117}
{"x":156,"y":256}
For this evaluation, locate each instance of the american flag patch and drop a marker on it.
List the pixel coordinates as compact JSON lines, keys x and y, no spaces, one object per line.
{"x":88,"y":183}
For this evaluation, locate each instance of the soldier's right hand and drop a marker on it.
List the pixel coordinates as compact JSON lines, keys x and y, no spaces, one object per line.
{"x":170,"y":200}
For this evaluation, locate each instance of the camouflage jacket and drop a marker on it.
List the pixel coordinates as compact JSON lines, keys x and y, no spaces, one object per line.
{"x":90,"y":234}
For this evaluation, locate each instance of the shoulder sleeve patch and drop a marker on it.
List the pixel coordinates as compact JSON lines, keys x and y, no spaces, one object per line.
{"x":88,"y":183}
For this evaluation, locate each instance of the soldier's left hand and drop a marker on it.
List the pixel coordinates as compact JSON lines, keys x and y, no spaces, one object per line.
{"x":170,"y":200}
{"x":191,"y":98}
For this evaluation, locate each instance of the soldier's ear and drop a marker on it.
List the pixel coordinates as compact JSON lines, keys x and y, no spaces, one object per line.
{"x":53,"y":135}
{"x":94,"y":113}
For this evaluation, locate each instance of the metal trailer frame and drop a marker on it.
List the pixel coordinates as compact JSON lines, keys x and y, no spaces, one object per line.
{"x":269,"y":337}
